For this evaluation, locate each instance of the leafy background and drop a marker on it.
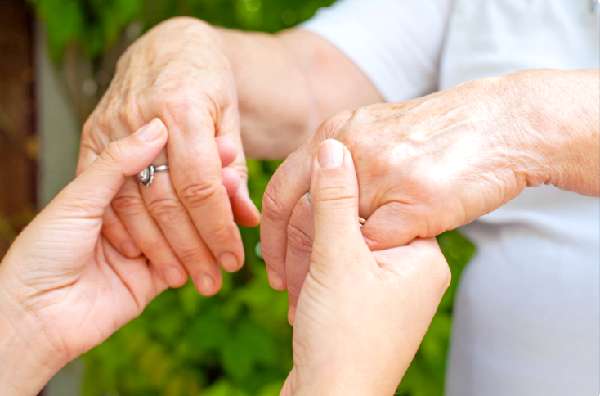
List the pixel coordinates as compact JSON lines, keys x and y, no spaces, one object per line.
{"x":239,"y":342}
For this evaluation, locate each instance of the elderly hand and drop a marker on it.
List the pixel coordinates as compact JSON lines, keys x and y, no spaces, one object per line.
{"x":63,"y":287}
{"x":361,"y":314}
{"x":433,"y":164}
{"x":184,"y":222}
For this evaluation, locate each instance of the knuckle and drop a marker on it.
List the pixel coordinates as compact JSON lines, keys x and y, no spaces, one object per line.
{"x":191,"y":255}
{"x":273,"y":210}
{"x":129,"y":114}
{"x":298,"y":239}
{"x":361,"y":115}
{"x":112,"y":154}
{"x":222,"y":234}
{"x":197,"y":194}
{"x":175,"y":104}
{"x":164,"y":210}
{"x":128,"y":204}
{"x":332,"y":126}
{"x":153,"y":248}
{"x":338,"y":194}
{"x":183,"y":101}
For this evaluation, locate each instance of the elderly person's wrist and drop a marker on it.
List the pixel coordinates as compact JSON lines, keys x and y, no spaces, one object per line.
{"x":555,"y":118}
{"x":29,"y":360}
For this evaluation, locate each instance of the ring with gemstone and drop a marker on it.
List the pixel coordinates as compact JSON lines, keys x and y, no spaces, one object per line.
{"x":146,"y":176}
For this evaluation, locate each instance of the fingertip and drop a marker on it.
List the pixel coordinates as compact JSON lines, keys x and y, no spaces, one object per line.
{"x":130,"y":250}
{"x":291,"y":315}
{"x":174,"y":275}
{"x":275,"y":280}
{"x":231,"y":180}
{"x":331,"y":154}
{"x":230,"y":263}
{"x":207,"y":285}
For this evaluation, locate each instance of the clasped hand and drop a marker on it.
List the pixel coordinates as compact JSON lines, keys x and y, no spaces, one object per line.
{"x":64,"y":287}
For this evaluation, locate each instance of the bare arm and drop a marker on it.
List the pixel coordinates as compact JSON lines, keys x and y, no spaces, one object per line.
{"x":561,"y":110}
{"x":287,"y":84}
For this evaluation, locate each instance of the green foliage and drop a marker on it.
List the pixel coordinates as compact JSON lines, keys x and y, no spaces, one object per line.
{"x":237,"y":343}
{"x":95,"y":25}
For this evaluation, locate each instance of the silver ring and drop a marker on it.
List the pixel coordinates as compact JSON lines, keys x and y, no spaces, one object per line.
{"x":146,"y":176}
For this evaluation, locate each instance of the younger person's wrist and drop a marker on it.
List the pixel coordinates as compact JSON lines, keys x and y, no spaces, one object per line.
{"x":333,"y":382}
{"x":29,"y":360}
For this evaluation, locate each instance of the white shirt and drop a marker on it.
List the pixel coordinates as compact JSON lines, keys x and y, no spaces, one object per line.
{"x":527,"y":313}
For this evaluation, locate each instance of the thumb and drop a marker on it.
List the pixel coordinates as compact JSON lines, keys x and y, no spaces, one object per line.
{"x":334,"y":194}
{"x":93,"y":190}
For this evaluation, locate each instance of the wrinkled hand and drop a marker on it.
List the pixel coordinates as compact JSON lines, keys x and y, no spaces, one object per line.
{"x":63,"y":287}
{"x":424,"y":167}
{"x":184,"y":222}
{"x":361,"y":314}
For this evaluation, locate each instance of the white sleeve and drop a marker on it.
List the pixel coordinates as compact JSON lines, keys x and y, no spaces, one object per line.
{"x":396,"y":43}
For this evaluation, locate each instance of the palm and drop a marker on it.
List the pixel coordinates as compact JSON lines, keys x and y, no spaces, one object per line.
{"x":87,"y":290}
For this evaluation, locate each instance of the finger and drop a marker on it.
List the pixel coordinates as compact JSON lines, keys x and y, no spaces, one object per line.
{"x":95,"y":187}
{"x":131,"y":209}
{"x":420,"y":260}
{"x":231,"y":180}
{"x":140,"y":279}
{"x":177,"y":227}
{"x":334,"y":194}
{"x":116,"y":234}
{"x":196,"y":176}
{"x":244,"y":210}
{"x":289,"y":183}
{"x":227,"y":150}
{"x":395,"y":224}
{"x":299,"y":247}
{"x":112,"y":228}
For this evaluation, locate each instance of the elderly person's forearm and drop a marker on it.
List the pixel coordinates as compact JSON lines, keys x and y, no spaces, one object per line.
{"x":559,"y":112}
{"x":287,"y":84}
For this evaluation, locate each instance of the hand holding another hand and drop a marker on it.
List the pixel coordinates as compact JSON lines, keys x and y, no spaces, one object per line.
{"x":424,"y":167}
{"x":361,"y":314}
{"x":63,"y":287}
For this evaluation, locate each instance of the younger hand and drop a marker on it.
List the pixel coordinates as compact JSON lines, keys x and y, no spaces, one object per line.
{"x":64,"y":288}
{"x":361,"y":314}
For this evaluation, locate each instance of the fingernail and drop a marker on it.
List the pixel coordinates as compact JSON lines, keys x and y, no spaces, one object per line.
{"x":174,"y":276}
{"x":331,"y":154}
{"x":151,"y":131}
{"x":206,"y":284}
{"x":275,"y":281}
{"x":130,"y":249}
{"x":229,"y":262}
